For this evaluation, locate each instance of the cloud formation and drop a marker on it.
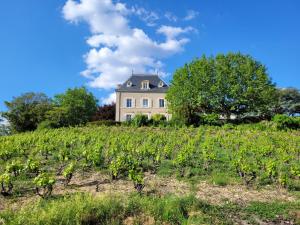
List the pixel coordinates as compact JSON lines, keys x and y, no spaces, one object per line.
{"x":116,"y":47}
{"x":191,"y":14}
{"x":111,"y":98}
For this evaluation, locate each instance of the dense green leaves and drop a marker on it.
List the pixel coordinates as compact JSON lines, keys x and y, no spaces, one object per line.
{"x":27,"y":111}
{"x":254,"y":155}
{"x":74,"y":107}
{"x":232,"y":84}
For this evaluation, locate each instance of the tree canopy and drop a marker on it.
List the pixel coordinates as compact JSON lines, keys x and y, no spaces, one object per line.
{"x":289,"y":101}
{"x":105,"y":112}
{"x":232,"y":84}
{"x":27,"y":111}
{"x":74,"y":107}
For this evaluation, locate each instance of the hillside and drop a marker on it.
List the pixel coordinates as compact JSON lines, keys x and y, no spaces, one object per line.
{"x":247,"y":174}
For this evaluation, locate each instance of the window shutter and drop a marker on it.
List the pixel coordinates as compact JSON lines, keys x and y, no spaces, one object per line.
{"x":125,"y":102}
{"x":149,"y":102}
{"x":133,"y":102}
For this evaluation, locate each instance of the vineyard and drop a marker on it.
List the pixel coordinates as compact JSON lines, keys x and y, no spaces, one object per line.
{"x":254,"y":156}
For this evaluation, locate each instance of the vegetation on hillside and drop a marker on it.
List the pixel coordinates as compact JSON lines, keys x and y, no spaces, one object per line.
{"x":232,"y":84}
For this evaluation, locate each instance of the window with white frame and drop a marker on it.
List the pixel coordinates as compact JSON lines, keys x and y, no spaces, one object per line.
{"x":128,"y":117}
{"x":129,"y":103}
{"x":145,"y":84}
{"x":129,"y":84}
{"x":161,"y":103}
{"x":145,"y":103}
{"x":160,"y":84}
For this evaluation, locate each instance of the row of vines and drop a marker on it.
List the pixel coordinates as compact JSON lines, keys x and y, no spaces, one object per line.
{"x":251,"y":154}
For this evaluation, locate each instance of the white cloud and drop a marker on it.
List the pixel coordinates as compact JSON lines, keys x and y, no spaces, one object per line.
{"x":117,"y":48}
{"x":191,"y":14}
{"x":149,"y":17}
{"x":173,"y":32}
{"x":171,"y":17}
{"x":111,"y":98}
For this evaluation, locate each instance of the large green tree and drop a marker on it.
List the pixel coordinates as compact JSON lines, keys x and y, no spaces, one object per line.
{"x":288,"y":101}
{"x":74,"y":107}
{"x":232,"y":84}
{"x":27,"y":111}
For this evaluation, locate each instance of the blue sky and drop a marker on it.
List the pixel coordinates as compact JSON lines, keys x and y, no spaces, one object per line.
{"x":51,"y":45}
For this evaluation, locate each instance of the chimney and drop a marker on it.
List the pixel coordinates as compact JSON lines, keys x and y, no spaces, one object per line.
{"x":119,"y":86}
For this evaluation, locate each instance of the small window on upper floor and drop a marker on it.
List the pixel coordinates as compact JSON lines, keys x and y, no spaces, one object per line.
{"x":129,"y":103}
{"x":160,"y":84}
{"x":161,"y":103}
{"x":145,"y":103}
{"x":129,"y":84}
{"x":145,"y":84}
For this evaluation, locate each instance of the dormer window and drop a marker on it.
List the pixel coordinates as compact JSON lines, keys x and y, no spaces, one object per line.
{"x":160,"y":84}
{"x":145,"y":84}
{"x":129,"y":84}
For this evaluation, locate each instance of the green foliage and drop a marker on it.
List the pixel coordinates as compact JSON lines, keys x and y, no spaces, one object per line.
{"x":48,"y":124}
{"x":75,"y":107}
{"x":68,"y":172}
{"x":139,"y":120}
{"x":14,"y":167}
{"x":44,"y":184}
{"x":158,"y":119}
{"x":284,"y":122}
{"x":4,"y":129}
{"x":27,"y":111}
{"x":6,"y":183}
{"x":115,"y":210}
{"x":288,"y":101}
{"x":104,"y":123}
{"x":232,"y":84}
{"x":251,"y":153}
{"x":212,"y":119}
{"x":220,"y":179}
{"x":32,"y":166}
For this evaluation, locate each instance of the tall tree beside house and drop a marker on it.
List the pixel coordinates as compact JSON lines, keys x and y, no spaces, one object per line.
{"x":27,"y":111}
{"x":75,"y":107}
{"x":105,"y":112}
{"x":232,"y":84}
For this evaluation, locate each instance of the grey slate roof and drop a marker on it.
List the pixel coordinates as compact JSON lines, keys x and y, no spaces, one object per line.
{"x":136,"y":80}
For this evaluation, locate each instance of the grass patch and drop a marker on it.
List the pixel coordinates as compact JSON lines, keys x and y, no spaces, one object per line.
{"x":88,"y":209}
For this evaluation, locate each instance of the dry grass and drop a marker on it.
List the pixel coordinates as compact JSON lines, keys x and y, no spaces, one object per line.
{"x":241,"y":195}
{"x":159,"y":186}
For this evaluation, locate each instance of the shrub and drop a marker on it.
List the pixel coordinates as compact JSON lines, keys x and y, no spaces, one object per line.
{"x":6,"y":184}
{"x":220,"y":179}
{"x":158,"y":119}
{"x":68,"y":173}
{"x":44,"y":184}
{"x":210,"y":119}
{"x":103,"y":123}
{"x":176,"y":122}
{"x":47,"y":124}
{"x":284,"y":122}
{"x":139,"y":120}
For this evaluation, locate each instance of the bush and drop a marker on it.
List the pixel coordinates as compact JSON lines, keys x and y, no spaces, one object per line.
{"x":158,"y":119}
{"x":47,"y":124}
{"x":139,"y":120}
{"x":104,"y":123}
{"x":284,"y":122}
{"x":176,"y":122}
{"x":212,"y":119}
{"x":44,"y":184}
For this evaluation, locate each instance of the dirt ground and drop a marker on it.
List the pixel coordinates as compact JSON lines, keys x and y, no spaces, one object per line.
{"x":159,"y":186}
